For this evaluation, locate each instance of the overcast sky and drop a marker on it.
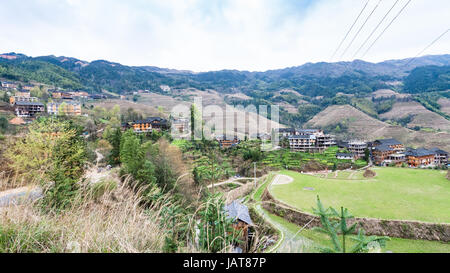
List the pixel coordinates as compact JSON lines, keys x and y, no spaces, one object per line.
{"x":203,"y":35}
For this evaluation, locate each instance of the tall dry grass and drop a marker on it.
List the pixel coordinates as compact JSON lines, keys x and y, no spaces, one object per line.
{"x":113,"y":222}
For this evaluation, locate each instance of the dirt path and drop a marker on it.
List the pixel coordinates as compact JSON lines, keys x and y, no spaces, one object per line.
{"x":19,"y":195}
{"x":281,"y":179}
{"x":289,"y":241}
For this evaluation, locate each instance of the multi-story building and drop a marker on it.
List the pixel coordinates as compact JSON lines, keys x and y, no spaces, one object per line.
{"x":286,"y":132}
{"x":396,"y":145}
{"x":148,"y":125}
{"x":384,"y":150}
{"x":420,"y":157}
{"x":9,"y":85}
{"x":440,"y":157}
{"x":64,"y":108}
{"x":14,"y":99}
{"x":309,"y":140}
{"x":303,"y":143}
{"x":225,"y":142}
{"x":180,"y":124}
{"x":28,"y":109}
{"x":357,"y":148}
{"x":345,"y":156}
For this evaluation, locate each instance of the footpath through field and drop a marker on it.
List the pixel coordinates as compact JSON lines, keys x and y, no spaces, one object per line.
{"x":289,"y":241}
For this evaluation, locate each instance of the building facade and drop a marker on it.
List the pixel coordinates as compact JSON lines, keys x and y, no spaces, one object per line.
{"x":420,"y":157}
{"x":357,"y":148}
{"x":28,"y":109}
{"x":64,"y":108}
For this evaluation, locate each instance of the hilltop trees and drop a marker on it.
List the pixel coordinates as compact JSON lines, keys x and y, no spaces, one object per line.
{"x":53,"y":155}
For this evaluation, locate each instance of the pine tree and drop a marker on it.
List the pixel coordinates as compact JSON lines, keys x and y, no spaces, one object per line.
{"x":114,"y":139}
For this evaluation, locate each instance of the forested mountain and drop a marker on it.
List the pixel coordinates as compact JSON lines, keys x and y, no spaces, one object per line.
{"x":318,"y":79}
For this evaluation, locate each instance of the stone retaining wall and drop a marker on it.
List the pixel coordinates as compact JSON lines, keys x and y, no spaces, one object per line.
{"x":392,"y":228}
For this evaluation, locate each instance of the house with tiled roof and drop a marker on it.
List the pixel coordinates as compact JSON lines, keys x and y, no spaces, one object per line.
{"x":419,"y":157}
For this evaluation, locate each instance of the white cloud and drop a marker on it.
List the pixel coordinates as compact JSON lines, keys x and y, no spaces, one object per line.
{"x":210,"y":35}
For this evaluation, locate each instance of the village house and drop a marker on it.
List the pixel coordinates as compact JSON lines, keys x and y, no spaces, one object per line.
{"x":357,"y":148}
{"x":242,"y":223}
{"x":286,"y":132}
{"x":440,"y":157}
{"x":309,"y":140}
{"x":345,"y":156}
{"x":64,"y":108}
{"x":9,"y":85}
{"x":382,"y":149}
{"x":28,"y":109}
{"x":14,"y":99}
{"x":27,"y":87}
{"x":303,"y":143}
{"x":225,"y":142}
{"x":261,"y":136}
{"x":180,"y":124}
{"x":147,"y":125}
{"x":79,"y":94}
{"x":62,"y":95}
{"x":419,"y":157}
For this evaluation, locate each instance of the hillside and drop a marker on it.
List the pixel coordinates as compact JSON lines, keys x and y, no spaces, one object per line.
{"x":356,"y":124}
{"x":418,"y":116}
{"x":445,"y":105}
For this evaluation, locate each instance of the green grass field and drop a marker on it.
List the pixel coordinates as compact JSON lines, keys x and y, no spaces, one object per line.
{"x":395,"y":245}
{"x":395,"y":193}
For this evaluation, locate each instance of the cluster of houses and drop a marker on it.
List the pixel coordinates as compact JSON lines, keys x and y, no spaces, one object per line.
{"x":26,"y":106}
{"x":383,"y":152}
{"x":393,"y":152}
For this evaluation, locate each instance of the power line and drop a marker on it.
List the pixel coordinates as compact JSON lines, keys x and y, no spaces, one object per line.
{"x":375,"y":29}
{"x":430,"y":45}
{"x":368,"y":17}
{"x":384,"y":30}
{"x":348,"y":32}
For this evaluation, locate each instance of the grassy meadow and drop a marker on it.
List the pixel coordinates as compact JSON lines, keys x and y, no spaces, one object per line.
{"x":395,"y":193}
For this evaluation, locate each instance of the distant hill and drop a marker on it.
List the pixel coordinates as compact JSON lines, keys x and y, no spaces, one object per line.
{"x":358,"y":125}
{"x":318,"y":79}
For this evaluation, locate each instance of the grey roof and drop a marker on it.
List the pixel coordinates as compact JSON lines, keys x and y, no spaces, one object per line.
{"x":383,"y":148}
{"x":237,"y":211}
{"x":24,"y":103}
{"x":419,"y":152}
{"x":303,"y":137}
{"x":439,"y":151}
{"x":151,"y":120}
{"x":344,"y":154}
{"x":308,"y":131}
{"x":389,"y":141}
{"x":286,"y":130}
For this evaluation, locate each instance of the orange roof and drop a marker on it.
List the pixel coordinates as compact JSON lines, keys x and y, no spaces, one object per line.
{"x":17,"y":121}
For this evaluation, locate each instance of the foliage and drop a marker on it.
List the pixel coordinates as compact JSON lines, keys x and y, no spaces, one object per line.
{"x":216,"y":231}
{"x":428,"y":79}
{"x":335,"y":224}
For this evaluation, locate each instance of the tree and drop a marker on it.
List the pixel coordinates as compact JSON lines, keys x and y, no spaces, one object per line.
{"x":52,"y":154}
{"x":366,"y":155}
{"x":130,"y":153}
{"x":3,"y":124}
{"x":196,"y":175}
{"x":114,"y":140}
{"x":335,"y":224}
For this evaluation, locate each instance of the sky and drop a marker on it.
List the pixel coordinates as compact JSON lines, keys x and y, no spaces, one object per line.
{"x":205,"y":35}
